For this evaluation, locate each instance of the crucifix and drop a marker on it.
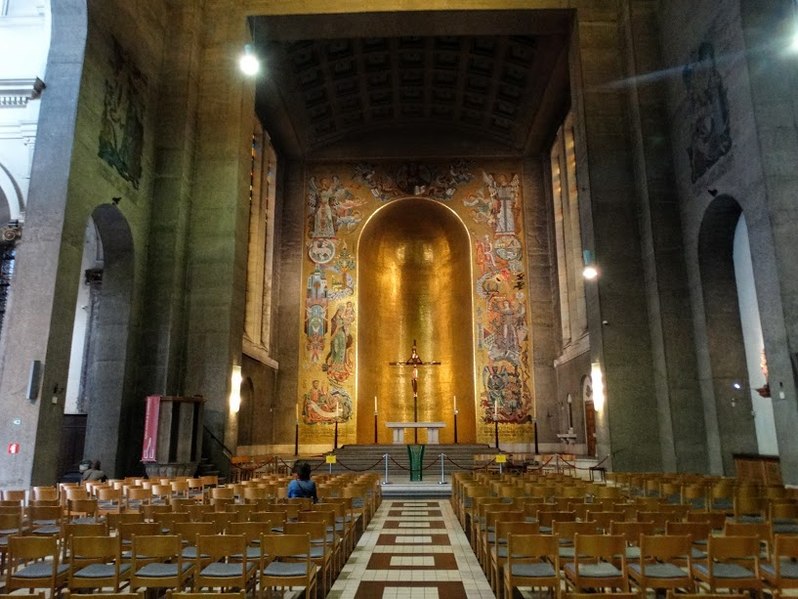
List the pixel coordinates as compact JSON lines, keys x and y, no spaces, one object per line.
{"x":415,"y":361}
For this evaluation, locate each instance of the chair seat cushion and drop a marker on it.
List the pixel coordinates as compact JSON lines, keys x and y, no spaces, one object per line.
{"x":285,"y":569}
{"x":222,"y":570}
{"x":532,"y":570}
{"x":659,"y":570}
{"x":785,"y":528}
{"x":50,"y":529}
{"x":600,"y":570}
{"x":160,"y":570}
{"x":789,"y":569}
{"x":40,"y":570}
{"x":100,"y":570}
{"x":725,"y":571}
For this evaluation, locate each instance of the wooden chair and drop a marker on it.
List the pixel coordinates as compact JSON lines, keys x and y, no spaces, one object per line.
{"x":115,"y":519}
{"x":157,"y":562}
{"x":631,"y":532}
{"x":96,"y":563}
{"x":320,"y":551}
{"x":593,"y":566}
{"x":699,"y":533}
{"x":222,"y":562}
{"x":188,"y":532}
{"x":279,"y":568}
{"x":334,"y":538}
{"x":497,"y":556}
{"x":761,"y":530}
{"x":127,"y":530}
{"x":10,"y":524}
{"x":781,"y":573}
{"x":33,"y":564}
{"x":722,"y":568}
{"x":660,"y":563}
{"x":44,"y":519}
{"x":534,"y":561}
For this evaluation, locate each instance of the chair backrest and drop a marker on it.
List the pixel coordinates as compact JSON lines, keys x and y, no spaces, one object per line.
{"x":103,"y":548}
{"x":725,"y":547}
{"x":569,"y":529}
{"x":127,"y":530}
{"x":216,"y":546}
{"x":252,"y":531}
{"x":29,"y":548}
{"x":606,"y":547}
{"x":46,"y":493}
{"x":285,"y":545}
{"x":665,"y":547}
{"x":188,"y":531}
{"x":14,"y":495}
{"x":159,"y":547}
{"x":316,"y":530}
{"x":524,"y":547}
{"x":698,"y":531}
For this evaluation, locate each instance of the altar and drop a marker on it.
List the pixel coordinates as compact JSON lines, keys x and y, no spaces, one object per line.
{"x":398,"y":429}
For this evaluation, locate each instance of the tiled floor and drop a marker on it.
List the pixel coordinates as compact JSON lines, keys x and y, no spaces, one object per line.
{"x":412,"y":549}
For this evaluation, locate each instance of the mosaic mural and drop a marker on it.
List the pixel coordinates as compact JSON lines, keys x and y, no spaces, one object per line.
{"x":339,"y":200}
{"x":121,"y":139}
{"x":710,"y":132}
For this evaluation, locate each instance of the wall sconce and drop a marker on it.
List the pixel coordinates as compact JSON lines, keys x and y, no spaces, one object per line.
{"x":248,"y":62}
{"x":235,"y":389}
{"x":597,"y":380}
{"x":590,"y":271}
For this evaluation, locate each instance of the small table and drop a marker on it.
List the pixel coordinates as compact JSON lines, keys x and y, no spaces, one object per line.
{"x":399,"y":430}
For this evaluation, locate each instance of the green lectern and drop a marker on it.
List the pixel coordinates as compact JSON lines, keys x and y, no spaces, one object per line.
{"x":416,"y":455}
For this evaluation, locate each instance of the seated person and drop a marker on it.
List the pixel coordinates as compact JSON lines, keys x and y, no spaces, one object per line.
{"x":302,"y":486}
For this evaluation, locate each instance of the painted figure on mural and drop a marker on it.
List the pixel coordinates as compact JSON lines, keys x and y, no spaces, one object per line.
{"x":503,"y":194}
{"x":485,"y":257}
{"x":323,"y":199}
{"x":710,"y":135}
{"x":338,"y":362}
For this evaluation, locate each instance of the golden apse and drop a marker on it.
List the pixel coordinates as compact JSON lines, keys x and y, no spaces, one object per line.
{"x":414,"y":282}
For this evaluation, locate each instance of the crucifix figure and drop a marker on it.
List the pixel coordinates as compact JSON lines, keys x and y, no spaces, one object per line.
{"x":415,"y":361}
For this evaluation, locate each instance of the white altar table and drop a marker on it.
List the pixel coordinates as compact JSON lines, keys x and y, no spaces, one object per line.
{"x":399,"y":430}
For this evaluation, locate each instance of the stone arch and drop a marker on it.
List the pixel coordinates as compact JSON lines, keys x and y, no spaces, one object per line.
{"x":108,"y":425}
{"x":733,"y":424}
{"x":11,"y":200}
{"x":414,"y":282}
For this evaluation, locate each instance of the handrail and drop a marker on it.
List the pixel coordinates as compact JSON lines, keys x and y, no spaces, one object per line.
{"x":225,"y":450}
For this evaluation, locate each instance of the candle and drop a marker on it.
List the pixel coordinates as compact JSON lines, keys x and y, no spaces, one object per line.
{"x":496,"y":409}
{"x":375,"y":404}
{"x":337,"y":408}
{"x":455,"y":404}
{"x":296,"y":412}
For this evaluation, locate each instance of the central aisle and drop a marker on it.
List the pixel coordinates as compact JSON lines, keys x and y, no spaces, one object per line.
{"x":412,"y":549}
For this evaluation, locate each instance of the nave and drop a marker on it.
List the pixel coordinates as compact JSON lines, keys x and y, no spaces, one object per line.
{"x":412,"y":549}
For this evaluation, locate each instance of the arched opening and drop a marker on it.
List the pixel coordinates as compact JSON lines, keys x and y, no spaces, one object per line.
{"x":731,"y":382}
{"x":98,"y":361}
{"x":414,"y":274}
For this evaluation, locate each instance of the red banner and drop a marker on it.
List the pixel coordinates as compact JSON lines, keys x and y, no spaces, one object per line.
{"x":150,"y":444}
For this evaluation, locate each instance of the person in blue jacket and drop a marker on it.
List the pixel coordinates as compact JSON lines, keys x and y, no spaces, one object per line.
{"x":302,"y":486}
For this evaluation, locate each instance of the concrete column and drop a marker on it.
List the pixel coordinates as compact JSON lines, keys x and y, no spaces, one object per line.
{"x":38,"y":322}
{"x":218,"y":221}
{"x":773,"y":223}
{"x":680,"y":416}
{"x":164,"y":329}
{"x":617,"y":307}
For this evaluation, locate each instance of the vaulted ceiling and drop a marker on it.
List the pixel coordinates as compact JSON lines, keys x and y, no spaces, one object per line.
{"x":488,"y":82}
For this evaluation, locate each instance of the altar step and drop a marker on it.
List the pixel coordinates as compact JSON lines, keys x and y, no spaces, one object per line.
{"x":371,"y":458}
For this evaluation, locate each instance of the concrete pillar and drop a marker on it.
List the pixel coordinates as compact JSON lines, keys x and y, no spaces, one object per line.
{"x":617,"y":307}
{"x":218,"y":221}
{"x":39,"y":319}
{"x":773,"y":227}
{"x":680,"y":416}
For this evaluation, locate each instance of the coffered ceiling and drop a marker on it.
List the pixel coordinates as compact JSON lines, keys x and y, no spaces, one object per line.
{"x":478,"y":82}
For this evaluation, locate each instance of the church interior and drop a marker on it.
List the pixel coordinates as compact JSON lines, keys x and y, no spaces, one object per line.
{"x":565,"y":224}
{"x":554,"y":234}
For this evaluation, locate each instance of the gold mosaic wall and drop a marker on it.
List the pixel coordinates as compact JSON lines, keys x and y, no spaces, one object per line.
{"x":481,"y":199}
